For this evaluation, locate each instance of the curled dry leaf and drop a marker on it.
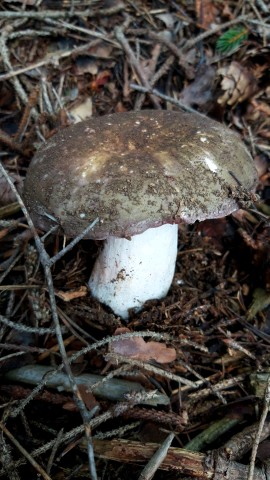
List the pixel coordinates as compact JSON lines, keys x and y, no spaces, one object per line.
{"x":101,"y":79}
{"x":6,"y":194}
{"x":82,"y":110}
{"x":168,"y":19}
{"x":238,"y":84}
{"x":137,"y":348}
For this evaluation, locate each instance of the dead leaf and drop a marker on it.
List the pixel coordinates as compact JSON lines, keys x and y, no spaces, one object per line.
{"x":206,"y":13}
{"x":200,"y":91}
{"x":168,"y":19}
{"x":260,"y":301}
{"x":87,"y":397}
{"x":82,"y":110}
{"x":138,"y":349}
{"x":238,"y":84}
{"x":101,"y":79}
{"x":26,"y":2}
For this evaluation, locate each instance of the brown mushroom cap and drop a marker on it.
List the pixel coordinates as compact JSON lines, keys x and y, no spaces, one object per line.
{"x":136,"y":170}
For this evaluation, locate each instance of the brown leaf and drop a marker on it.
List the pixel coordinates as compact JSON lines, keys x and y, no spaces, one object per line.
{"x":87,"y":397}
{"x":138,"y":349}
{"x":238,"y":84}
{"x":206,"y":13}
{"x":101,"y":79}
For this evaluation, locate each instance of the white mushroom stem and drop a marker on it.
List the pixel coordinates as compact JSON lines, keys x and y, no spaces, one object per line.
{"x":127,"y":273}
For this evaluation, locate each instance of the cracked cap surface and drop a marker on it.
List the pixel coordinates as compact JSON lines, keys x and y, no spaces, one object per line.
{"x":136,"y":170}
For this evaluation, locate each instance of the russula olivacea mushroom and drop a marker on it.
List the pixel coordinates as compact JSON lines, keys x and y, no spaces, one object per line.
{"x":141,"y":173}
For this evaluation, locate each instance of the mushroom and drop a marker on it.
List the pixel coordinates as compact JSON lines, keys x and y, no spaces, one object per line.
{"x":141,"y":173}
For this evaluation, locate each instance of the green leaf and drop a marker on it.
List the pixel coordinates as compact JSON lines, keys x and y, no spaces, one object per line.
{"x":231,"y":39}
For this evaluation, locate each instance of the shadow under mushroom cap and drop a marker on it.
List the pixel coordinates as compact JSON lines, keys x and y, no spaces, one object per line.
{"x":136,"y":170}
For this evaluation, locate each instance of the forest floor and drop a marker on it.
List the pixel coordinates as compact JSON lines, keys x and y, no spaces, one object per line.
{"x":195,"y":364}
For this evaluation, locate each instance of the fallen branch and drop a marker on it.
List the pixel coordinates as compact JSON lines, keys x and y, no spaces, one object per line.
{"x":88,"y":13}
{"x":213,"y":466}
{"x":111,"y":389}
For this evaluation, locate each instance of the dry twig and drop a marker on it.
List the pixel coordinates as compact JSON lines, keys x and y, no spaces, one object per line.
{"x":45,"y":261}
{"x":119,"y":34}
{"x":24,"y":452}
{"x":257,"y":439}
{"x":197,"y":465}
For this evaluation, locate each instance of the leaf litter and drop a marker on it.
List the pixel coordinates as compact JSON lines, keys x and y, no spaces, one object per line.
{"x":61,"y":62}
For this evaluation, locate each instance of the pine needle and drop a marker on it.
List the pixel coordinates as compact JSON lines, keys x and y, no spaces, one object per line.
{"x":231,"y":39}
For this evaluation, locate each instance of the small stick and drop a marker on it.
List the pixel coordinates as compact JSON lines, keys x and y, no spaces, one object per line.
{"x":8,"y":66}
{"x":151,"y":368}
{"x":25,"y":453}
{"x":152,"y":67}
{"x":212,"y":433}
{"x":191,"y":43}
{"x":92,"y":33}
{"x":24,"y":328}
{"x":242,"y":442}
{"x":10,"y":142}
{"x":26,"y":114}
{"x":111,"y":389}
{"x":172,"y":100}
{"x":259,"y":432}
{"x":10,"y":209}
{"x":54,"y":450}
{"x":53,"y":60}
{"x":115,"y":411}
{"x":158,"y":38}
{"x":72,"y":244}
{"x":45,"y":261}
{"x":119,"y":34}
{"x":63,"y":14}
{"x":180,"y":461}
{"x":157,"y":459}
{"x":84,"y":351}
{"x":263,"y":6}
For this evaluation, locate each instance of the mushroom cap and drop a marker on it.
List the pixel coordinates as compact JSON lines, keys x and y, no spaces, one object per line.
{"x":136,"y":170}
